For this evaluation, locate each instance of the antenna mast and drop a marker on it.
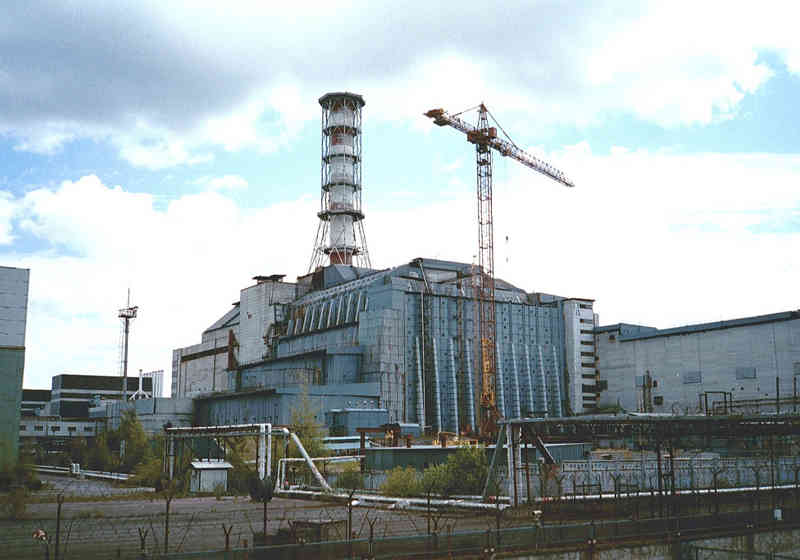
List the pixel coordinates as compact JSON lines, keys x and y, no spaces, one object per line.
{"x":127,"y":315}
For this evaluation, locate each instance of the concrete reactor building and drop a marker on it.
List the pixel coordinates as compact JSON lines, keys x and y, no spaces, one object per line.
{"x":736,"y":366}
{"x":13,"y":318}
{"x":401,"y":341}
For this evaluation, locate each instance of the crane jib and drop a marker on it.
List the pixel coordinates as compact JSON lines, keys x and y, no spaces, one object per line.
{"x":485,"y":137}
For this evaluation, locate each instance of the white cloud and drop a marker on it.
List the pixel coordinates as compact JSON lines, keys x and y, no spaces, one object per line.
{"x":8,"y":208}
{"x":184,"y":264}
{"x":225,"y":182}
{"x":647,"y":234}
{"x":198,"y":90}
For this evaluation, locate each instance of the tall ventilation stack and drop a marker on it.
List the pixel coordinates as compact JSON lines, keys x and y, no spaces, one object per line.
{"x":340,"y":234}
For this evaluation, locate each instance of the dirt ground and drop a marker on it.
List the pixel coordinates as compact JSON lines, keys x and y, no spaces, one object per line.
{"x":113,"y":527}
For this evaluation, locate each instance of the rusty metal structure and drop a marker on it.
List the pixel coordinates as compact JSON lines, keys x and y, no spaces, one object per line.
{"x":485,"y":139}
{"x":767,"y":437}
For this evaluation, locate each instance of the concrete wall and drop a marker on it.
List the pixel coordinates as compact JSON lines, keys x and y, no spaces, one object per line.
{"x":153,"y":413}
{"x":39,"y":427}
{"x":201,"y":368}
{"x":744,"y":360}
{"x":579,"y":349}
{"x":13,"y":318}
{"x":259,"y":307}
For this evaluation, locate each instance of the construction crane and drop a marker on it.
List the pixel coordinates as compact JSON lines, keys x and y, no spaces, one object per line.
{"x":485,"y":139}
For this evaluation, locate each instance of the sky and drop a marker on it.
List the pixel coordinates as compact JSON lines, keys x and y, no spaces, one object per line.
{"x":173,"y":149}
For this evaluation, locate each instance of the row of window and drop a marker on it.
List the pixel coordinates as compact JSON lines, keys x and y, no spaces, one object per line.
{"x":689,"y":377}
{"x":40,"y":428}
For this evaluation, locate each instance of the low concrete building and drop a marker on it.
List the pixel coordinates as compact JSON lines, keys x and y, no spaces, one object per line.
{"x":72,"y":394}
{"x":753,"y":361}
{"x":34,"y":401}
{"x":208,"y":475}
{"x":344,"y":421}
{"x":276,"y":405}
{"x":152,"y":413}
{"x":13,"y":318}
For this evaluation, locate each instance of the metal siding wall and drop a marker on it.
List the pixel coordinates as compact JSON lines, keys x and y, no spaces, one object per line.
{"x":770,"y":348}
{"x":529,"y":349}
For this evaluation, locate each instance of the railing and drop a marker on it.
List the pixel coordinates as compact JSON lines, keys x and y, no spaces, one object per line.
{"x":69,"y":471}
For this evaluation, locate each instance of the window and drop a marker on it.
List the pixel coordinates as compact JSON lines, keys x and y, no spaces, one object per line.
{"x":796,"y":368}
{"x":745,"y":373}
{"x":22,"y":427}
{"x":692,"y":377}
{"x":55,"y":428}
{"x":612,"y":337}
{"x":71,"y":428}
{"x":38,"y":428}
{"x":87,"y":428}
{"x":602,"y":385}
{"x":658,"y":401}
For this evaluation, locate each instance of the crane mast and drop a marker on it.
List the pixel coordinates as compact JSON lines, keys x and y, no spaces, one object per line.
{"x":485,"y":140}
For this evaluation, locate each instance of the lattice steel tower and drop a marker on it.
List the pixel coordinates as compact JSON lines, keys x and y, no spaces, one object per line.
{"x":340,"y":234}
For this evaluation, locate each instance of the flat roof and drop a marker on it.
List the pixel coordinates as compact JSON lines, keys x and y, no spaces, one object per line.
{"x":702,"y":327}
{"x":209,"y":465}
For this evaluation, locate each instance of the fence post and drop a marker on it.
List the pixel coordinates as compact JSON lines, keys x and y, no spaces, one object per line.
{"x":60,"y":500}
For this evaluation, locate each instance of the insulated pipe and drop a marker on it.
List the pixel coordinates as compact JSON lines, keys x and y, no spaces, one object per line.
{"x":420,"y":387}
{"x":501,"y":393}
{"x":269,"y":449}
{"x":311,"y":464}
{"x":171,"y":445}
{"x":454,"y":385}
{"x":531,"y":405}
{"x":436,"y":386}
{"x":517,"y":404}
{"x":262,"y":451}
{"x":556,"y":368}
{"x":470,"y":388}
{"x":543,"y":380}
{"x":512,"y":490}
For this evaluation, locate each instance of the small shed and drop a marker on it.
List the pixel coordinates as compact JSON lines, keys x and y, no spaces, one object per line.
{"x":206,"y":475}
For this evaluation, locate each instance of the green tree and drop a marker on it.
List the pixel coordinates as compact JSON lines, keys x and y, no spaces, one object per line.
{"x":137,"y":446}
{"x":467,"y":470}
{"x":401,"y":482}
{"x":437,"y":479}
{"x":78,"y":450}
{"x":350,"y":478}
{"x":99,"y":457}
{"x":308,"y":428}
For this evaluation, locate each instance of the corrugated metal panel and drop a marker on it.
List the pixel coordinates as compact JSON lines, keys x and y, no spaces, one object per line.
{"x":14,"y":305}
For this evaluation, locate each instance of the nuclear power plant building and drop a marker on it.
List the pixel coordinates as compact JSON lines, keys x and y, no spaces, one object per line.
{"x":401,"y":339}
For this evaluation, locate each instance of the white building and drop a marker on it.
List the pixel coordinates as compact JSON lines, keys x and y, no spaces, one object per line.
{"x":13,"y":318}
{"x":752,"y":361}
{"x":207,"y":475}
